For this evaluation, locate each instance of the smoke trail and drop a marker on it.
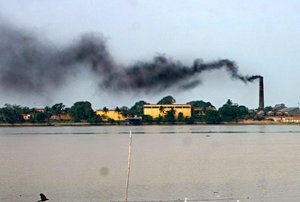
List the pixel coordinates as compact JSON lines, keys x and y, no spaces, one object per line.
{"x":163,"y":73}
{"x":254,"y":77}
{"x":30,"y":65}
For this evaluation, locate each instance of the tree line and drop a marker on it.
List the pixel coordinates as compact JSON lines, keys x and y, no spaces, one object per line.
{"x":203,"y":112}
{"x":82,"y":112}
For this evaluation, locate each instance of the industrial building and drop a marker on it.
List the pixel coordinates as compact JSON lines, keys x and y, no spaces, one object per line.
{"x":110,"y":114}
{"x":156,"y":110}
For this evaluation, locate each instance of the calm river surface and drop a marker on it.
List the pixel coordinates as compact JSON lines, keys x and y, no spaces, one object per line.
{"x":202,"y":163}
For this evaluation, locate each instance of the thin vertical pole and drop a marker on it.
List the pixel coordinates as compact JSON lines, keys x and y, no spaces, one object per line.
{"x":128,"y":167}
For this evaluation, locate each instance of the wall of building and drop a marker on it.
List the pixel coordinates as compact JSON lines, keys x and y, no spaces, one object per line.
{"x":285,"y":119}
{"x":291,"y":120}
{"x":155,"y":110}
{"x":110,"y":114}
{"x":61,"y":117}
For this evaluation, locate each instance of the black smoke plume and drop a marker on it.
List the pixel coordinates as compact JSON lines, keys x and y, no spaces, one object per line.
{"x":254,"y":77}
{"x":28,"y":64}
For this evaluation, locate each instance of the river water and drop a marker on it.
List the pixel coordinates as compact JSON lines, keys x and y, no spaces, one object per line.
{"x":202,"y":163}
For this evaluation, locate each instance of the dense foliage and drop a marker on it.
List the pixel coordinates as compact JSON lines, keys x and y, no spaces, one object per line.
{"x":12,"y":114}
{"x":212,"y":117}
{"x":167,"y":100}
{"x":138,"y":108}
{"x":232,"y":112}
{"x":200,"y":103}
{"x":82,"y":112}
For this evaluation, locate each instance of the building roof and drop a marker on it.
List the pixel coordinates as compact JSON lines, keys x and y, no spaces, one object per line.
{"x":279,"y":107}
{"x":291,"y":110}
{"x":109,"y":110}
{"x":167,"y":105}
{"x":204,"y":108}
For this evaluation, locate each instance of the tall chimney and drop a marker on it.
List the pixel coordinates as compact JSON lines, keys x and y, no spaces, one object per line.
{"x":261,"y":93}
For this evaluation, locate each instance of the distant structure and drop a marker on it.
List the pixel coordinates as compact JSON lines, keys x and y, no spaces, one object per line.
{"x":26,"y":117}
{"x":135,"y":120}
{"x":110,"y":114}
{"x":41,"y":110}
{"x":282,"y":110}
{"x":261,"y":93}
{"x":156,"y":110}
{"x":282,"y":114}
{"x":278,"y":107}
{"x":201,"y":111}
{"x":61,"y":117}
{"x":285,"y":119}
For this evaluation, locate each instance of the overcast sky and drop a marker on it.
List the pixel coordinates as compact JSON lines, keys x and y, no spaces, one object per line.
{"x":262,"y":37}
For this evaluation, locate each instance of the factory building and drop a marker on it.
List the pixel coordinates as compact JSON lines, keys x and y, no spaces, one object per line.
{"x":110,"y":114}
{"x":156,"y":110}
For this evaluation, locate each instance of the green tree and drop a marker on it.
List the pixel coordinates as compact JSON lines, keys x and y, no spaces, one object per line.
{"x":82,"y":111}
{"x":11,"y":114}
{"x":117,"y":109}
{"x":57,"y":109}
{"x":32,"y":119}
{"x":95,"y":119}
{"x":189,"y":120}
{"x":147,"y":119}
{"x":212,"y":117}
{"x":1,"y":116}
{"x":200,"y":103}
{"x":159,"y":119}
{"x":161,"y":110}
{"x":259,"y":118}
{"x":18,"y":109}
{"x":137,"y":108}
{"x":111,"y":120}
{"x":242,"y":111}
{"x":40,"y":117}
{"x":67,"y":110}
{"x":170,"y":116}
{"x":232,"y":112}
{"x":124,"y":111}
{"x":105,"y":109}
{"x":180,"y":117}
{"x":48,"y":113}
{"x":24,"y":110}
{"x":227,"y":111}
{"x":167,"y":100}
{"x":268,"y":108}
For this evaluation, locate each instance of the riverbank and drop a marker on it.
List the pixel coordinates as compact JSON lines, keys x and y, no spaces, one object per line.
{"x":145,"y":124}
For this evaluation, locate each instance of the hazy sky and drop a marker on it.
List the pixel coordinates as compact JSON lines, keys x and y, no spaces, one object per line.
{"x":262,"y":37}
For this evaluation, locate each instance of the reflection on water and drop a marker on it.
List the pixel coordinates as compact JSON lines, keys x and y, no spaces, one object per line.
{"x":203,"y":163}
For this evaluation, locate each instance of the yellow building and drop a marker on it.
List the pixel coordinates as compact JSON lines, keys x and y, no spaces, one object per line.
{"x":285,"y":119}
{"x":61,"y":117}
{"x":160,"y":110}
{"x":110,"y":114}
